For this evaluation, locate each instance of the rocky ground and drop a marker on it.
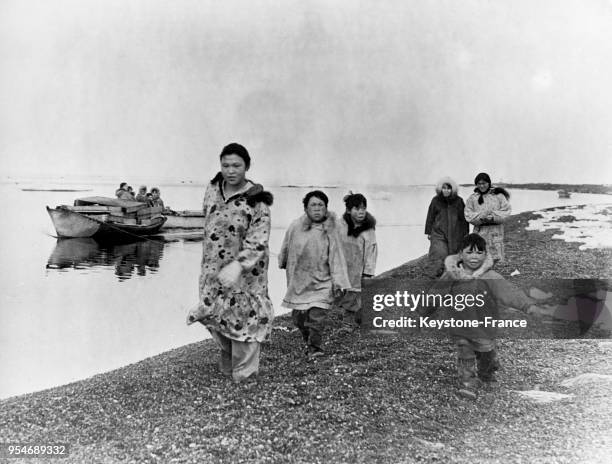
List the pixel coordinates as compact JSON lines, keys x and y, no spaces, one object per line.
{"x":387,"y":398}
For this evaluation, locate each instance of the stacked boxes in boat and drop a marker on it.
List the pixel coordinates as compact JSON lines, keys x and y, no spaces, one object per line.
{"x":145,"y":216}
{"x":133,"y":214}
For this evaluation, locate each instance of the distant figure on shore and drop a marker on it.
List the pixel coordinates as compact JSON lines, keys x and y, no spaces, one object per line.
{"x":122,"y":192}
{"x":142,"y":194}
{"x":487,"y":209}
{"x":315,"y":267}
{"x":445,"y":225}
{"x":358,"y":238}
{"x":155,"y":198}
{"x":234,"y":303}
{"x":468,"y":273}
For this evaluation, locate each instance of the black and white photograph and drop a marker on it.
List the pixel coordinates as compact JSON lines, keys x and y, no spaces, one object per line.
{"x":315,"y":231}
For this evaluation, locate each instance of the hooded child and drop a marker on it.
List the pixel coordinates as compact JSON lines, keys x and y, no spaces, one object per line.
{"x":469,"y":273}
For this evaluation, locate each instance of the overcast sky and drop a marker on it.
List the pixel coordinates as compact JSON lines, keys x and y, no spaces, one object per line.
{"x":318,"y":91}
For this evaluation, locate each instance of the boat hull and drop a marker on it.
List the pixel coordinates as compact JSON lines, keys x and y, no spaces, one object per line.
{"x":113,"y":230}
{"x":185,"y":220}
{"x":70,"y":224}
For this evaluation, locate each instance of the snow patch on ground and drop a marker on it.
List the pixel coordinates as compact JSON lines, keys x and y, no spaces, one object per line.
{"x":590,"y":225}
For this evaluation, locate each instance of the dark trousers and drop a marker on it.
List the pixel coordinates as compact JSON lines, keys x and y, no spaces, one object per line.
{"x":438,"y":251}
{"x":311,"y":323}
{"x":475,"y":359}
{"x":349,"y":306}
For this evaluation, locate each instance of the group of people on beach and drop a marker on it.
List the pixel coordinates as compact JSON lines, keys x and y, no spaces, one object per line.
{"x":448,"y":217}
{"x":326,"y":257}
{"x":152,"y":198}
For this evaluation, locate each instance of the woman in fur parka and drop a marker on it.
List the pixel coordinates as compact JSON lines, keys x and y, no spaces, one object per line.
{"x":445,"y":225}
{"x":487,"y":209}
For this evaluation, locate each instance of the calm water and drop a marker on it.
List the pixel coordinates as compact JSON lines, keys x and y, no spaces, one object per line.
{"x":73,"y":308}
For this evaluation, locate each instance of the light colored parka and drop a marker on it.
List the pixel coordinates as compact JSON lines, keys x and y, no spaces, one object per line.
{"x":315,"y":266}
{"x":492,"y":232}
{"x":359,"y":248}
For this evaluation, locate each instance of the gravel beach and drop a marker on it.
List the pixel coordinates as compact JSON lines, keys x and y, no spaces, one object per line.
{"x":372,"y":398}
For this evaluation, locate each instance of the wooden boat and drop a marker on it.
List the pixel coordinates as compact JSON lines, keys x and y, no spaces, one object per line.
{"x":564,"y":194}
{"x":188,"y":219}
{"x":106,"y":218}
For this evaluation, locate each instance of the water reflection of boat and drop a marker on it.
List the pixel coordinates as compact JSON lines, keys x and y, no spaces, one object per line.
{"x":107,"y":218}
{"x":125,"y":258}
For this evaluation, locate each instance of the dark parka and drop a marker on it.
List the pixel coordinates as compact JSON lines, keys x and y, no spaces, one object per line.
{"x":446,"y":226}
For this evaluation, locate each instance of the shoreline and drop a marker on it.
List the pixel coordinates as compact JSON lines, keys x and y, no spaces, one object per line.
{"x":371,"y":398}
{"x":603,"y":189}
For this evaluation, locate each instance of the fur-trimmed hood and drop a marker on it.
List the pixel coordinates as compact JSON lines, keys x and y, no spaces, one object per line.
{"x":453,"y":268}
{"x":368,"y":223}
{"x":449,"y":181}
{"x":330,"y":223}
{"x":253,"y":195}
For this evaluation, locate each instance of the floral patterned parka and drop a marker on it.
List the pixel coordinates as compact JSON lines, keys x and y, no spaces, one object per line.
{"x":236,"y":229}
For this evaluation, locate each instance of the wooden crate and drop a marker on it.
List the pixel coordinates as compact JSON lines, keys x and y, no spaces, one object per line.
{"x":150,"y":211}
{"x":122,"y":219}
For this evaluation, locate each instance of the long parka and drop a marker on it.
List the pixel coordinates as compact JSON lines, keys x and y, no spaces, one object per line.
{"x":314,"y":262}
{"x":236,"y":229}
{"x":494,"y":202}
{"x":446,"y":225}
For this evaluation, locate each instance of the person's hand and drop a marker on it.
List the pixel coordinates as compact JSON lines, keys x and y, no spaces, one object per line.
{"x":230,"y":274}
{"x":339,"y":292}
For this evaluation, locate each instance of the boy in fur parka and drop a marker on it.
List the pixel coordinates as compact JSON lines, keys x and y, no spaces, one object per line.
{"x":358,"y":238}
{"x":316,"y":269}
{"x":445,"y":225}
{"x":469,"y":273}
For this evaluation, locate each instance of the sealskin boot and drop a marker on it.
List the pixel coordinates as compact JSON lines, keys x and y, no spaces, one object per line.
{"x":469,"y":383}
{"x":487,"y":365}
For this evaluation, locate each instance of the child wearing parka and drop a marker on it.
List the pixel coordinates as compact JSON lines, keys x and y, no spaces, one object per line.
{"x":358,"y":238}
{"x":445,"y":225}
{"x":469,"y":273}
{"x":315,"y":267}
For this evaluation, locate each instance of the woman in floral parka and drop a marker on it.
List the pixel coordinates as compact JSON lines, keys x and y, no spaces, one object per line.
{"x":234,"y":303}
